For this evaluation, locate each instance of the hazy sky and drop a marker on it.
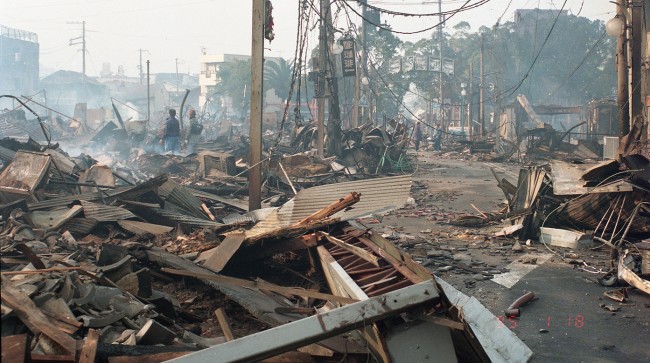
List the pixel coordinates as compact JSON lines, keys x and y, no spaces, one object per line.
{"x":179,"y":29}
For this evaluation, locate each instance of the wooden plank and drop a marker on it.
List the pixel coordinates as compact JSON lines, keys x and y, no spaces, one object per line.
{"x":52,"y":358}
{"x":353,"y":249}
{"x":89,"y":349}
{"x":14,"y":348}
{"x":443,"y":322}
{"x":222,"y":253}
{"x":399,"y":265}
{"x":260,"y":285}
{"x":224,"y":324}
{"x":33,"y":318}
{"x":148,"y":358}
{"x":207,"y":212}
{"x":332,"y":209}
{"x":42,"y":271}
{"x":339,"y":276}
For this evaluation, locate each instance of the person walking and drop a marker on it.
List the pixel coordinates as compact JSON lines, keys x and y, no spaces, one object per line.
{"x":437,"y":138}
{"x":193,"y":133}
{"x":417,"y":135}
{"x":172,"y":133}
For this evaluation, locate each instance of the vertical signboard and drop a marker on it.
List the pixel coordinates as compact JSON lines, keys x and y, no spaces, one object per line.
{"x":348,"y":58}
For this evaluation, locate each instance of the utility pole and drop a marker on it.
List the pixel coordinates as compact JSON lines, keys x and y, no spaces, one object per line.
{"x":141,"y":71}
{"x":636,"y":43}
{"x":83,"y":43}
{"x":355,"y":109}
{"x":622,"y":97}
{"x":148,"y":94}
{"x":257,"y":76}
{"x":367,"y":91}
{"x":470,"y":102}
{"x":481,"y":103}
{"x":322,"y":67}
{"x":442,"y":96}
{"x":334,"y":119}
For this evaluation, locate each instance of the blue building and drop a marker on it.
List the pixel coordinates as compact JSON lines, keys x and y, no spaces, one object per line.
{"x":19,"y":57}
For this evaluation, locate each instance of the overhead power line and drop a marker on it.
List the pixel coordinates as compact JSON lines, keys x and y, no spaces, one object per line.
{"x":400,"y":13}
{"x":451,"y":14}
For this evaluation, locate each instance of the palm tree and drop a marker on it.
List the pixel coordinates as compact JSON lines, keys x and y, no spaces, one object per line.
{"x":277,"y":76}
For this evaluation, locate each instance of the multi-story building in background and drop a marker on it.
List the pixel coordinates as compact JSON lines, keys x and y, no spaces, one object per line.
{"x":19,"y":57}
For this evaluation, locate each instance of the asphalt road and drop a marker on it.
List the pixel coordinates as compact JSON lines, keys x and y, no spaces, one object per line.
{"x":568,"y":301}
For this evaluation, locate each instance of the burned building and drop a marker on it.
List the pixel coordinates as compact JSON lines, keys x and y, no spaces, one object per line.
{"x":18,"y":61}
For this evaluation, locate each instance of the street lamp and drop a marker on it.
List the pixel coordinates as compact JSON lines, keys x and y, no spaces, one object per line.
{"x":615,"y":26}
{"x":463,"y":93}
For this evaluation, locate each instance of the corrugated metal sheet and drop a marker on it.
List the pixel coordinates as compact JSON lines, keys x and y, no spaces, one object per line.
{"x":79,"y":225}
{"x":236,"y":203}
{"x":377,"y":195}
{"x":105,"y":213}
{"x":238,"y":219}
{"x":182,"y":197}
{"x":65,"y":200}
{"x":111,"y":194}
{"x":588,"y":210}
{"x":184,"y":219}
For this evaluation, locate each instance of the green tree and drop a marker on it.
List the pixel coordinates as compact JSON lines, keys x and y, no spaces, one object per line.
{"x":387,"y":89}
{"x":277,"y":77}
{"x":234,"y":83}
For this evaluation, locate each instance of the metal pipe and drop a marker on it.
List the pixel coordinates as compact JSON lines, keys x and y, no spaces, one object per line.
{"x":513,"y":309}
{"x":40,"y":122}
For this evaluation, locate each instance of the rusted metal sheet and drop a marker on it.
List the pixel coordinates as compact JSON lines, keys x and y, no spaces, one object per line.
{"x":105,"y":213}
{"x":377,"y":195}
{"x":65,"y":200}
{"x":53,"y":219}
{"x":64,"y":163}
{"x":99,"y":174}
{"x":80,"y":225}
{"x":182,"y":197}
{"x":23,"y":175}
{"x":589,"y":210}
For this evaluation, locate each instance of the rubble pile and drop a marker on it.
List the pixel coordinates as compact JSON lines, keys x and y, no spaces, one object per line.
{"x":577,"y":206}
{"x":101,"y":265}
